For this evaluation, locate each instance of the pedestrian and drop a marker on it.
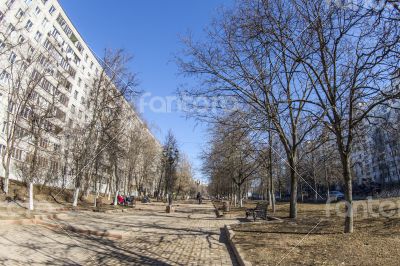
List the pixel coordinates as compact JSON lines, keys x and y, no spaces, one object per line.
{"x":199,"y":198}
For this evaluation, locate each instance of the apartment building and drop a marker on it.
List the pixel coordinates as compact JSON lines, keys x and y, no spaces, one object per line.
{"x":42,"y":27}
{"x":376,"y":155}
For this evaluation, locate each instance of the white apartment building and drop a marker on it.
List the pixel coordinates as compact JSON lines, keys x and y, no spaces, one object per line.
{"x":43,"y":24}
{"x":376,"y":156}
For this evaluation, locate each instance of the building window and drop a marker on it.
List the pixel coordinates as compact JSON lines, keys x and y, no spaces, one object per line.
{"x":4,"y":76}
{"x":9,"y":3}
{"x":19,"y":13}
{"x":28,"y":2}
{"x":52,"y":10}
{"x":75,"y":95}
{"x":37,"y":11}
{"x":1,"y":16}
{"x":73,"y":109}
{"x":44,"y":2}
{"x":38,"y":36}
{"x":10,"y":29}
{"x":21,"y":39}
{"x":44,"y":22}
{"x":17,"y":154}
{"x":12,"y":57}
{"x":80,"y":114}
{"x":28,"y":25}
{"x":2,"y":149}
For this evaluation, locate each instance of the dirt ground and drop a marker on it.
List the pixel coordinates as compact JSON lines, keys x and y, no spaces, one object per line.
{"x":316,"y":237}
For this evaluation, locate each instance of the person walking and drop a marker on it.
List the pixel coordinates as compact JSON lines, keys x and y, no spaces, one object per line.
{"x":199,"y":198}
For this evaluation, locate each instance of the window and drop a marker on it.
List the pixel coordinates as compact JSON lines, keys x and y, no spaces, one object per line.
{"x":79,"y":47}
{"x":64,"y":99}
{"x":44,"y":2}
{"x":80,"y":114}
{"x":31,"y":49}
{"x":37,"y":11}
{"x":73,"y":109}
{"x":55,"y":33}
{"x":21,"y":39}
{"x":79,"y":82}
{"x":28,"y":2}
{"x":16,"y":154}
{"x":2,"y":45}
{"x":19,"y":13}
{"x":57,"y":147}
{"x":4,"y":77}
{"x":52,"y":10}
{"x":1,"y":16}
{"x":25,"y":113}
{"x":38,"y":36}
{"x":9,"y":3}
{"x":75,"y":95}
{"x":91,"y":65}
{"x":10,"y":29}
{"x":4,"y":127}
{"x":11,"y":106}
{"x":12,"y":57}
{"x":44,"y":22}
{"x":82,"y":100}
{"x":2,"y":149}
{"x":28,"y":25}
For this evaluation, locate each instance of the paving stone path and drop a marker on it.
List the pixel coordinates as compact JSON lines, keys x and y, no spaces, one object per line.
{"x":191,"y":236}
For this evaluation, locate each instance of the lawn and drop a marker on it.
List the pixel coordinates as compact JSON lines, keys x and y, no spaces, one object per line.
{"x":317,"y":239}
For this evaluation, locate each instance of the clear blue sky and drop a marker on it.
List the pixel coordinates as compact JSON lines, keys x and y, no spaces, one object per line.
{"x":150,"y":30}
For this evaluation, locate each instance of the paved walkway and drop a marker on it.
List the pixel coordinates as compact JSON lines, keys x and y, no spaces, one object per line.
{"x":191,"y":236}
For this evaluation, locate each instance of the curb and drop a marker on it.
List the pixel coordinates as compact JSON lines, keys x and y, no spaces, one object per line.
{"x":36,"y":219}
{"x":82,"y":230}
{"x":236,"y":250}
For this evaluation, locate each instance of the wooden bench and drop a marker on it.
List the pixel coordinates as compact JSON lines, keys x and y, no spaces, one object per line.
{"x":259,"y":211}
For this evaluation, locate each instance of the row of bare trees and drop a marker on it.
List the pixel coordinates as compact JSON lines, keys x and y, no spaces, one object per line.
{"x":302,"y":72}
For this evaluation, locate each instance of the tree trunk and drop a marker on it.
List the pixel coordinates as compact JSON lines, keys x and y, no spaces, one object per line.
{"x":348,"y":193}
{"x":30,"y":196}
{"x":76,"y":196}
{"x":293,"y":188}
{"x":240,"y":196}
{"x":116,"y":198}
{"x":6,"y":181}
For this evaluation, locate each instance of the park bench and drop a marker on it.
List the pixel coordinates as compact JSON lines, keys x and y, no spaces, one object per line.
{"x":259,"y":211}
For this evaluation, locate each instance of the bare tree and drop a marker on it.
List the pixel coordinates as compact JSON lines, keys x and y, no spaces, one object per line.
{"x":247,"y":59}
{"x":352,"y":59}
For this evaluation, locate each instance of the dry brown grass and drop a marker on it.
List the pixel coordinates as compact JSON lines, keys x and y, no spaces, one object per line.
{"x":315,"y":239}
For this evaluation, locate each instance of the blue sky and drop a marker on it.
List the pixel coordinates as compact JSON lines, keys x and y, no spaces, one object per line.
{"x":150,"y":30}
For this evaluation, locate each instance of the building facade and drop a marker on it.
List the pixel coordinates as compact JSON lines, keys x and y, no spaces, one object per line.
{"x":37,"y":39}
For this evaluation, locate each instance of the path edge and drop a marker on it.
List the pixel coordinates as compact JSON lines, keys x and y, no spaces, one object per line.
{"x":236,"y":250}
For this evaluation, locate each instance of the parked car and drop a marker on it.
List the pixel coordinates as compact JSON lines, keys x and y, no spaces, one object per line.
{"x":335,"y":195}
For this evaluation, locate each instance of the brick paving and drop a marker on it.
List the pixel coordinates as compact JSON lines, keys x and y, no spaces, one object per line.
{"x":191,"y":236}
